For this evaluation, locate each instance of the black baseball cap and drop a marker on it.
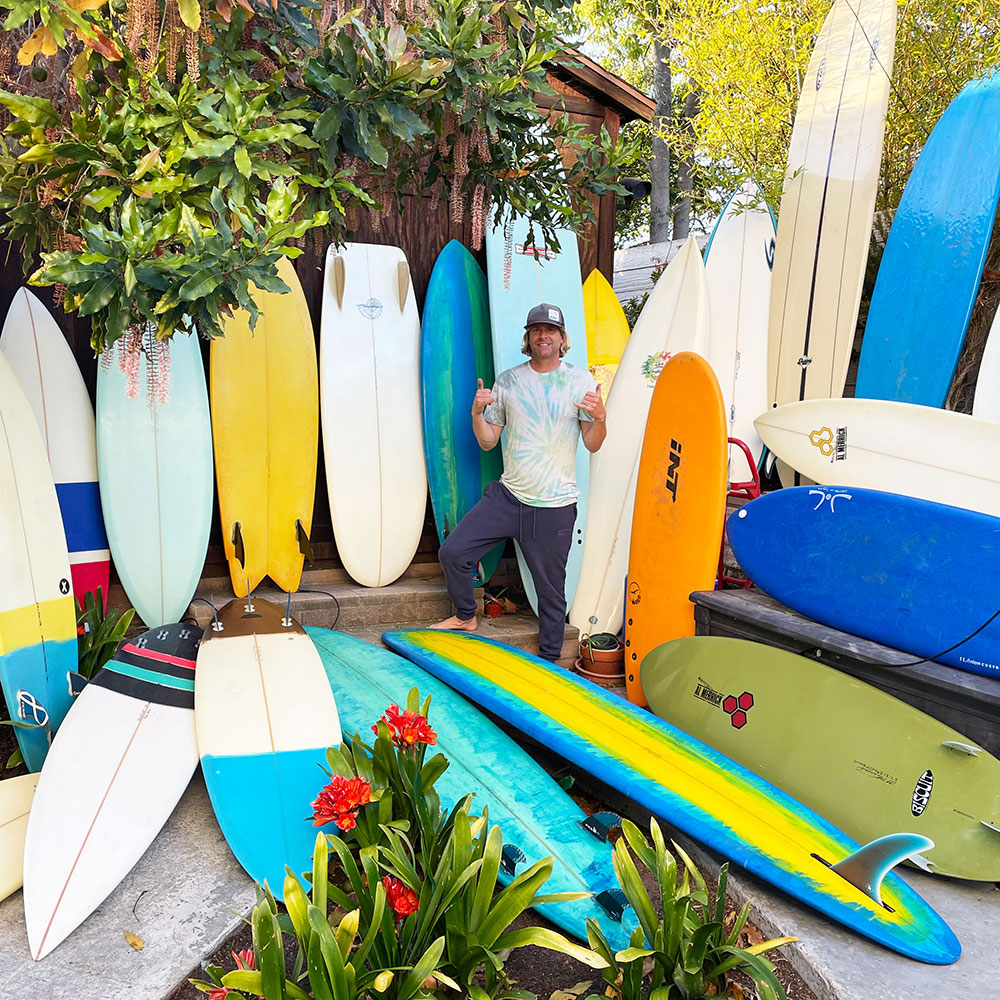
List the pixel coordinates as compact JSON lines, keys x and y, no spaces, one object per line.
{"x":545,"y":312}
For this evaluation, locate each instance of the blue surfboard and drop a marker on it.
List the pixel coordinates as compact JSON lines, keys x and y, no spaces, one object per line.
{"x":909,"y":573}
{"x":929,"y":275}
{"x":538,"y":819}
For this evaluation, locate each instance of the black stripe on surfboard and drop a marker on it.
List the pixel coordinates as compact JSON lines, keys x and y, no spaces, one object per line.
{"x":155,"y":666}
{"x":143,"y":690}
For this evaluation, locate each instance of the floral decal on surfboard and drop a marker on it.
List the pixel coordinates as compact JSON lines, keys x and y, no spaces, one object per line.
{"x":653,"y":365}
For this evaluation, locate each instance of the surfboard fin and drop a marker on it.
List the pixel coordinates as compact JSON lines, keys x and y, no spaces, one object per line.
{"x":869,"y":865}
{"x":238,"y":549}
{"x":77,"y":682}
{"x":510,"y":858}
{"x":968,"y":748}
{"x":305,"y":546}
{"x":613,"y":902}
{"x":600,"y":825}
{"x":337,"y":276}
{"x":989,"y":825}
{"x":402,"y":283}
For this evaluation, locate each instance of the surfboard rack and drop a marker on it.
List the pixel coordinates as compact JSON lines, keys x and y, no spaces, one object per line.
{"x":510,"y":857}
{"x":749,"y":490}
{"x":305,"y":546}
{"x":600,"y":825}
{"x":613,"y":902}
{"x":237,"y":542}
{"x":867,"y":867}
{"x":966,"y":748}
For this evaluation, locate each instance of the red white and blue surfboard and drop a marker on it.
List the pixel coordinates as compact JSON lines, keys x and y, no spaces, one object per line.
{"x":123,"y":757}
{"x":44,"y":364}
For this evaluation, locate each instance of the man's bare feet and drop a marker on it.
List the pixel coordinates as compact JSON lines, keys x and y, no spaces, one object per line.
{"x":456,"y":624}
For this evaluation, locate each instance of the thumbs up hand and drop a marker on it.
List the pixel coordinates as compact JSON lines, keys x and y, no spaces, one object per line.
{"x":483,"y":399}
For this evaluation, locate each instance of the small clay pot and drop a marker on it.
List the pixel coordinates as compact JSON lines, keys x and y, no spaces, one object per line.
{"x":603,"y":661}
{"x":602,"y":673}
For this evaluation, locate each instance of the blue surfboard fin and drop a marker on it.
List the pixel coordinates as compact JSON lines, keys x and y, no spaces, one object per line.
{"x":869,"y":865}
{"x":613,"y":902}
{"x":305,"y":546}
{"x":601,"y":824}
{"x":510,"y":858}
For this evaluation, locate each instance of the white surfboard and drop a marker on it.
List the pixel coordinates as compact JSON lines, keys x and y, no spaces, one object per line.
{"x":917,"y":451}
{"x":828,"y":201}
{"x":986,"y":403}
{"x":51,"y":379}
{"x":37,"y":616}
{"x":675,"y":318}
{"x":738,"y":262}
{"x":264,"y":716}
{"x":125,"y":753}
{"x":370,"y":410}
{"x":15,"y":804}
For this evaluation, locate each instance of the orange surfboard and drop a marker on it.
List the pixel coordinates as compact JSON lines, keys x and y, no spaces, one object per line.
{"x":680,"y":508}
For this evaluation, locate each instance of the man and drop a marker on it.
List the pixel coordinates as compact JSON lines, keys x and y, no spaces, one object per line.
{"x":544,"y":404}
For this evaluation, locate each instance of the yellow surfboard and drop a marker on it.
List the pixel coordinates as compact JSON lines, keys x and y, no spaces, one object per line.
{"x":680,"y":508}
{"x":607,"y":329}
{"x":265,"y":425}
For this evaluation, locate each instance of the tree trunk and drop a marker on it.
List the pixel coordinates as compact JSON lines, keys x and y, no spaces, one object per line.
{"x":659,"y":165}
{"x":685,"y":169}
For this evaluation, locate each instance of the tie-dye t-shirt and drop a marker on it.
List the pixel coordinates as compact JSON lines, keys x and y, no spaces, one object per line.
{"x":542,"y":431}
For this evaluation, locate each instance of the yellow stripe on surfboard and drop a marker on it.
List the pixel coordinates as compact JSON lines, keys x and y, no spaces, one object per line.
{"x":53,"y":621}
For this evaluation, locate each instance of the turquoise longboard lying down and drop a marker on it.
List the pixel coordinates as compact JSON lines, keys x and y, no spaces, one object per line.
{"x":703,"y":793}
{"x":537,"y":818}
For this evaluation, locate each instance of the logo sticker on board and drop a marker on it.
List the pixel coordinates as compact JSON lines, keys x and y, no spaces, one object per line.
{"x":30,"y":709}
{"x":653,"y":365}
{"x":820,"y":73}
{"x":828,"y":496}
{"x":634,"y":593}
{"x":737,"y":708}
{"x":64,"y":586}
{"x":530,"y":250}
{"x":371,"y":309}
{"x":673,"y":470}
{"x":874,"y":55}
{"x":706,"y":692}
{"x":769,"y":254}
{"x":822,"y":439}
{"x":922,"y":793}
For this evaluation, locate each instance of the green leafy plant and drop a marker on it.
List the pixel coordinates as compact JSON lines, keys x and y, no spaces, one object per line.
{"x":687,"y":952}
{"x":99,"y":633}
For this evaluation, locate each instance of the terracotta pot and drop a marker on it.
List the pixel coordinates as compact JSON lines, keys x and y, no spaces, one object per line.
{"x":602,"y":672}
{"x":603,"y":661}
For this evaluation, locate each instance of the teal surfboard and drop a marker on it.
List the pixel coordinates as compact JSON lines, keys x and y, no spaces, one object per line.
{"x":455,"y":350}
{"x":519,"y":280}
{"x":538,"y":819}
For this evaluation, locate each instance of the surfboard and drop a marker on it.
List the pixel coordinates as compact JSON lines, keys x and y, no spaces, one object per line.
{"x":908,"y":573}
{"x":157,"y":492}
{"x":711,"y":798}
{"x":680,"y":510}
{"x":518,"y":281}
{"x":675,"y":318}
{"x":942,"y":227}
{"x":265,"y":425}
{"x":738,"y":262}
{"x":986,"y":403}
{"x":877,"y":444}
{"x":867,"y":762}
{"x":455,"y":351}
{"x":125,"y":753}
{"x":15,"y":803}
{"x":51,"y":379}
{"x":828,"y":201}
{"x":37,"y":616}
{"x":370,"y":399}
{"x":537,"y":818}
{"x":264,"y":718}
{"x":607,"y":329}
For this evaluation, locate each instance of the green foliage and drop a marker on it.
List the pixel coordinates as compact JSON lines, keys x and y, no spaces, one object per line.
{"x":98,"y":634}
{"x":686,"y":953}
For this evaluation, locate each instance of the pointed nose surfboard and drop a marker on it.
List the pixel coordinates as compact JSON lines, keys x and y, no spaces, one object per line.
{"x":264,"y":716}
{"x":703,"y":793}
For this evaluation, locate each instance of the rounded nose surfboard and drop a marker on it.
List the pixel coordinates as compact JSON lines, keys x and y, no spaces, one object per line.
{"x":264,"y":717}
{"x":37,"y":616}
{"x":51,"y":379}
{"x":125,"y":753}
{"x":537,"y":817}
{"x":157,"y":492}
{"x":15,"y":802}
{"x":867,"y":762}
{"x":265,"y":424}
{"x":680,"y":510}
{"x":675,"y":318}
{"x":703,"y":793}
{"x":370,"y":398}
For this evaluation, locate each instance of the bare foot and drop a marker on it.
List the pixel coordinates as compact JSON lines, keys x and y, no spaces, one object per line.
{"x":456,"y":624}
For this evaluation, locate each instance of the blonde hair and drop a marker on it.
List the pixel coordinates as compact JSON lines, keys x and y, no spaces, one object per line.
{"x":563,"y":350}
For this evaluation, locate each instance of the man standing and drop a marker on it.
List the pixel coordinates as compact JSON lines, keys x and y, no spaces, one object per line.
{"x":544,"y":404}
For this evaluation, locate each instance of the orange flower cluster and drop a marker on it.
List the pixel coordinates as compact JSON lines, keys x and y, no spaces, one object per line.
{"x":407,"y":728}
{"x":400,"y":897}
{"x":340,"y":800}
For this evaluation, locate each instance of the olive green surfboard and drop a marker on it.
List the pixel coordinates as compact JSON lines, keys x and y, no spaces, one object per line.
{"x":867,"y":762}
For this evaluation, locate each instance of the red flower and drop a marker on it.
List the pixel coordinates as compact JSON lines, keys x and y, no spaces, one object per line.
{"x":339,"y":801}
{"x":219,"y":993}
{"x":244,"y":960}
{"x":408,"y":728}
{"x":400,"y":897}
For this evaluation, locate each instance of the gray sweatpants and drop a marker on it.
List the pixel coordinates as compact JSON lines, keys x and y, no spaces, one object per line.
{"x":544,"y":535}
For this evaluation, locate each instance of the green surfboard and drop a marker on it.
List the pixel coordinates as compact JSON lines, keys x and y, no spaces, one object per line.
{"x":867,"y":762}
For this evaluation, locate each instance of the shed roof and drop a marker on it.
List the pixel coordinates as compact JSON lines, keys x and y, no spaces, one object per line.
{"x":606,"y":87}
